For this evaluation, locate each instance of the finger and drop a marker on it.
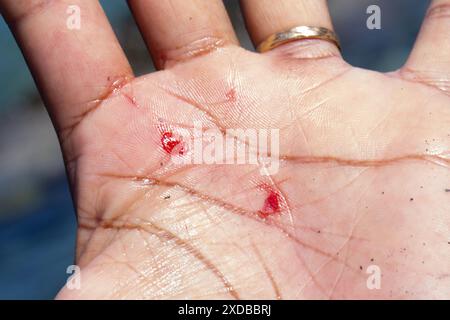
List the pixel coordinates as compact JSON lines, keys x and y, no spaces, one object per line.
{"x":266,"y":17}
{"x":429,"y":61}
{"x":72,"y":66}
{"x":176,"y":30}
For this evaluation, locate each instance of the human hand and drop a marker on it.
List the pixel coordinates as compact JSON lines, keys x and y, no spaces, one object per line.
{"x":363,"y":177}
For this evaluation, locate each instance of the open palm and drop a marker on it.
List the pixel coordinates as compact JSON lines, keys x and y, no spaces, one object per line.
{"x":362,"y":186}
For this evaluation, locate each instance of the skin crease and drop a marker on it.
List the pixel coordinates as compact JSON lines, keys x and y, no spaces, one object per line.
{"x":365,"y":164}
{"x":364,"y":156}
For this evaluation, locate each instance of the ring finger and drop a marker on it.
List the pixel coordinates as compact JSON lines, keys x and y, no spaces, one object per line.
{"x":266,"y":17}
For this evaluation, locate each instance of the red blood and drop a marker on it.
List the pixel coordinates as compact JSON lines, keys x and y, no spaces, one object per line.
{"x":231,"y":95}
{"x":271,"y":204}
{"x":169,"y":142}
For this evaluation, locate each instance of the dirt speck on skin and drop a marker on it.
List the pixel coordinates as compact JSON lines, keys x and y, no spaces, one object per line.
{"x":167,"y":197}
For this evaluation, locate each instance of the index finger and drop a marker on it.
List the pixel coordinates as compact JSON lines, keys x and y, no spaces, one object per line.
{"x":71,"y":50}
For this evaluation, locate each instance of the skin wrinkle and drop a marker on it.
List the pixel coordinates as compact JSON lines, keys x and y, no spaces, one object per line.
{"x":140,"y":274}
{"x":298,"y":124}
{"x":366,"y":163}
{"x":128,"y":205}
{"x":348,"y":239}
{"x":294,"y":239}
{"x":347,"y":242}
{"x":382,"y":121}
{"x":318,"y":200}
{"x":31,"y":11}
{"x":316,"y":250}
{"x":323,"y":83}
{"x":117,"y":86}
{"x":148,"y":248}
{"x":415,"y":76}
{"x":299,"y":256}
{"x":86,"y":250}
{"x":343,"y":265}
{"x":127,"y":261}
{"x":197,"y":106}
{"x":438,"y":11}
{"x":319,"y":251}
{"x":167,"y":236}
{"x":308,"y":270}
{"x":98,"y":219}
{"x":121,"y":226}
{"x":350,"y":162}
{"x":114,"y":88}
{"x":293,"y":230}
{"x":210,"y":115}
{"x":244,"y":212}
{"x":205,"y":111}
{"x":317,"y":106}
{"x":269,"y":274}
{"x":341,"y":272}
{"x":430,"y":78}
{"x":127,"y":264}
{"x":324,"y":232}
{"x":303,"y":53}
{"x":197,"y":48}
{"x":237,"y":210}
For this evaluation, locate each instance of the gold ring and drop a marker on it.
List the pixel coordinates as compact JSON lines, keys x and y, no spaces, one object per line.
{"x":298,"y":33}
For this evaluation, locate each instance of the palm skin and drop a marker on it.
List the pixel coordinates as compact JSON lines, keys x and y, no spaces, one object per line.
{"x":363,"y":181}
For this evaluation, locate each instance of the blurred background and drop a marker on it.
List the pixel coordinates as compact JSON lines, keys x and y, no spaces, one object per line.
{"x":37,"y":220}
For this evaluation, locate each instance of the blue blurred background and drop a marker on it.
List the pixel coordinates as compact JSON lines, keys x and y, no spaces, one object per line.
{"x":37,"y":220}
